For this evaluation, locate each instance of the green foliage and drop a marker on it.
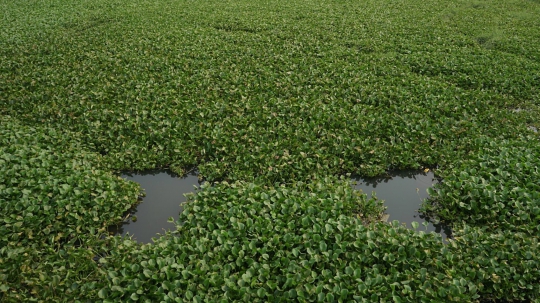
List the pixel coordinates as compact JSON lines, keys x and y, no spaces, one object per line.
{"x":252,"y":90}
{"x":499,"y":262}
{"x":52,"y":190}
{"x":497,"y":187}
{"x":305,"y":242}
{"x":55,"y":196}
{"x":272,"y":97}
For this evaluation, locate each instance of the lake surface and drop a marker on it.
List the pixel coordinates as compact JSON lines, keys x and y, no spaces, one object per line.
{"x":403,"y":193}
{"x":164,"y":194}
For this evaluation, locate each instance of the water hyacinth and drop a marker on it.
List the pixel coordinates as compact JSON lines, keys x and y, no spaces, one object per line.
{"x":497,"y":187}
{"x":306,"y":242}
{"x":271,"y":101}
{"x":55,"y":196}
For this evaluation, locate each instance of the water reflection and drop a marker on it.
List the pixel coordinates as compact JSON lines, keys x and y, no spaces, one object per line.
{"x":403,"y":192}
{"x":164,"y":193}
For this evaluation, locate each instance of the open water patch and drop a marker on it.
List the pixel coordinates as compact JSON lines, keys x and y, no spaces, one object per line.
{"x":403,"y":192}
{"x":164,"y":194}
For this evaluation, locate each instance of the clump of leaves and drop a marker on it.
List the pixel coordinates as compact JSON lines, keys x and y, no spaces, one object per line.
{"x":497,"y":187}
{"x":266,"y":92}
{"x":272,"y":97}
{"x":54,"y":196}
{"x":305,"y":242}
{"x":502,"y":264}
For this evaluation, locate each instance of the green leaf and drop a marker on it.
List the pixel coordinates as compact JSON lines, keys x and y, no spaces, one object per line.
{"x":102,"y":294}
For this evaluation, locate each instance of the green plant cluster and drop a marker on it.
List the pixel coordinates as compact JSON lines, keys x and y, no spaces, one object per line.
{"x":305,"y":242}
{"x":54,"y":196}
{"x":312,"y":243}
{"x":501,"y":263}
{"x":278,"y":101}
{"x":498,"y":187}
{"x":274,"y":99}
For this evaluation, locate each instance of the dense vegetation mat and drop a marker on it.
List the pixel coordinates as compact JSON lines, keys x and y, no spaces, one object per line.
{"x":273,"y":101}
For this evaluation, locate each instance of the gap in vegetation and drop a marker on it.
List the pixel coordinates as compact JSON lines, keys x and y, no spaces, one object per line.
{"x":403,"y":193}
{"x":164,"y":194}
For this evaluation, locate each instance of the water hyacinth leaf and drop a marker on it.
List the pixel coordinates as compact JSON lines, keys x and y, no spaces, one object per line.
{"x":103,"y":293}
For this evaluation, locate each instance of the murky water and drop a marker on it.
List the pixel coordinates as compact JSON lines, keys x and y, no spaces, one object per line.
{"x":403,"y":192}
{"x":164,"y":194}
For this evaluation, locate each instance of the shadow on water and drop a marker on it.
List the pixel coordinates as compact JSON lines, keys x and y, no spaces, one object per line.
{"x":164,"y":192}
{"x":403,"y":193}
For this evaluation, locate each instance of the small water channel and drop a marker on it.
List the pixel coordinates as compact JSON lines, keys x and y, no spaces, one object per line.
{"x":164,"y":193}
{"x":403,"y":193}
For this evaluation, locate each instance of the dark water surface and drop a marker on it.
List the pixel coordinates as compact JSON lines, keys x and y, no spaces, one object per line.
{"x":403,"y":193}
{"x":164,"y":194}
